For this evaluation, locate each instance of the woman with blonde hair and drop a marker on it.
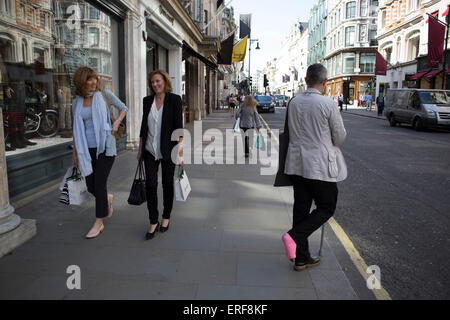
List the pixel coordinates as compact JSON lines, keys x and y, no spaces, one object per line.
{"x":249,"y":118}
{"x":94,"y":144}
{"x":162,"y":115}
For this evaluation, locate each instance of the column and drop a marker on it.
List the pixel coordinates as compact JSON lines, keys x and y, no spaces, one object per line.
{"x":13,"y":230}
{"x":135,"y":73}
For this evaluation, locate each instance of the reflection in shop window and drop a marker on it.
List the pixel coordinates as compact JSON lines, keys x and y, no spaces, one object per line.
{"x":94,"y":14}
{"x":22,"y":13}
{"x":36,"y":67}
{"x":93,"y":37}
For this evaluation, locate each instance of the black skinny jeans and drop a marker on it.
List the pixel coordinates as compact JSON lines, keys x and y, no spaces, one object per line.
{"x":97,"y":181}
{"x":246,"y":140}
{"x":151,"y":183}
{"x":305,"y":223}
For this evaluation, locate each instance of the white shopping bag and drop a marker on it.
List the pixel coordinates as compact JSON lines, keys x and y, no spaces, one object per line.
{"x":68,"y":174}
{"x":74,"y":189}
{"x":77,"y":191}
{"x":236,"y":128}
{"x":182,"y":186}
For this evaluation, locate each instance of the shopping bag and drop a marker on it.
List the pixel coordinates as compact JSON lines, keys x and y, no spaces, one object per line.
{"x":68,"y":174}
{"x":182,"y":186}
{"x":74,"y":190}
{"x":236,"y":125}
{"x":138,"y":191}
{"x":260,"y":144}
{"x":77,"y":190}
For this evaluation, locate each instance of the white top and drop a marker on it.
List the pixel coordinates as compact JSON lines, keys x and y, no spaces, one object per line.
{"x":153,"y":144}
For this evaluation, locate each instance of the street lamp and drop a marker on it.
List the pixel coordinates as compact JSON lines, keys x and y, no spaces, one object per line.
{"x":249,"y":56}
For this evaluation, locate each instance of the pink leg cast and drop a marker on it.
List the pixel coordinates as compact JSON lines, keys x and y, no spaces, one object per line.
{"x":290,"y":246}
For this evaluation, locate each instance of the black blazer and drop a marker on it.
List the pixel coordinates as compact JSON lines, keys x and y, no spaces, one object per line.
{"x":172,"y":119}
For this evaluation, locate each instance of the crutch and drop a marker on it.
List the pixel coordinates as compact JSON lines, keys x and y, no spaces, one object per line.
{"x":321,"y":240}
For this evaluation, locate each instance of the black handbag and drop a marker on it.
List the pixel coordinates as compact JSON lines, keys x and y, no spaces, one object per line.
{"x":282,"y":179}
{"x":138,"y":191}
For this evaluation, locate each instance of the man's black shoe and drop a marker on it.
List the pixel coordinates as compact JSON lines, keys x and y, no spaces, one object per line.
{"x":312,"y":262}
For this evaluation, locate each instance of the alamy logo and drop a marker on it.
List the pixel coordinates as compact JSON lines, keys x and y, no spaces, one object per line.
{"x":73,"y":22}
{"x":374,"y":280}
{"x":74,"y":280}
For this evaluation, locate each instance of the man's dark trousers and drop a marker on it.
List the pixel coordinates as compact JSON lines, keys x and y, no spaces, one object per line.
{"x":305,"y":223}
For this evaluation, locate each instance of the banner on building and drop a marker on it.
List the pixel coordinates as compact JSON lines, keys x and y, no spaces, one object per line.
{"x":245,"y":22}
{"x":239,"y":50}
{"x":380,"y":65}
{"x":436,"y":37}
{"x":226,"y":51}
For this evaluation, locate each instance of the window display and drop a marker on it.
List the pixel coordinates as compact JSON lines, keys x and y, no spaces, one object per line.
{"x":42,"y":43}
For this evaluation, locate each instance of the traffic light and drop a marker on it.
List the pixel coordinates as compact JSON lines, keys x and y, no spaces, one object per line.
{"x":266,"y":82}
{"x":250,"y":81}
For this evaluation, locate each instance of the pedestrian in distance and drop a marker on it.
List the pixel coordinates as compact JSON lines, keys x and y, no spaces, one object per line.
{"x":314,"y":163}
{"x":94,"y":144}
{"x":380,"y":105}
{"x":162,"y":115}
{"x":233,"y":103}
{"x":241,"y":99}
{"x":341,"y":102}
{"x":249,"y":119}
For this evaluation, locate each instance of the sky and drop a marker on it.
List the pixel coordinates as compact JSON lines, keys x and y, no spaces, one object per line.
{"x":271,"y":21}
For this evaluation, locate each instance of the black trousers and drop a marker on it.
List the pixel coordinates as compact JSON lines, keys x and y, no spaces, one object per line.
{"x":305,"y":223}
{"x":97,"y":181}
{"x":246,"y":140}
{"x":151,"y":183}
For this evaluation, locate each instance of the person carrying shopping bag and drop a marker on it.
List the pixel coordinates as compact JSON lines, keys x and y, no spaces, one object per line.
{"x":162,"y":115}
{"x":249,"y":118}
{"x":94,"y":144}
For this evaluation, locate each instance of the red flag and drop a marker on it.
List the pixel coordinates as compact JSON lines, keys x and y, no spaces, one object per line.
{"x":436,"y":35}
{"x":434,"y":14}
{"x":380,"y":65}
{"x":445,"y":12}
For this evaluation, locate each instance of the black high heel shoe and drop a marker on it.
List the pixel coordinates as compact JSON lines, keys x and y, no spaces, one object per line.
{"x":149,"y":235}
{"x":164,"y":229}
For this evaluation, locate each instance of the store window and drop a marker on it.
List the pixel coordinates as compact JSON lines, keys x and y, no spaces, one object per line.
{"x":36,"y":68}
{"x":367,"y":62}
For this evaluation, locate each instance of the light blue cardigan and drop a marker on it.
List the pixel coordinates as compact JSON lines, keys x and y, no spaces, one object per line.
{"x":102,"y":129}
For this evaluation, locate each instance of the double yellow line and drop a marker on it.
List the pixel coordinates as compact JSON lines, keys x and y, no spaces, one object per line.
{"x":360,"y":264}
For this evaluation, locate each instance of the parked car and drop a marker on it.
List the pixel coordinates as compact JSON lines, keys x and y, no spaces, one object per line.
{"x":422,"y":108}
{"x":265,"y":103}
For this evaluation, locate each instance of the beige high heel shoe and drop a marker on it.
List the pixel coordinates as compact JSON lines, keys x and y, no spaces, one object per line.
{"x":94,"y":234}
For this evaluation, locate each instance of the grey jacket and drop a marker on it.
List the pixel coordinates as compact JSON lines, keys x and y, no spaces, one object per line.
{"x":249,"y":118}
{"x":315,"y":131}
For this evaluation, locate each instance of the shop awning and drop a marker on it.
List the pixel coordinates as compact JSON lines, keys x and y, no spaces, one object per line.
{"x":433,"y":73}
{"x":189,"y":51}
{"x":418,"y":75}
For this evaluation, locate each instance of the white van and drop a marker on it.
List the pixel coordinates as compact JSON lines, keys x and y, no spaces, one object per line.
{"x":422,"y":108}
